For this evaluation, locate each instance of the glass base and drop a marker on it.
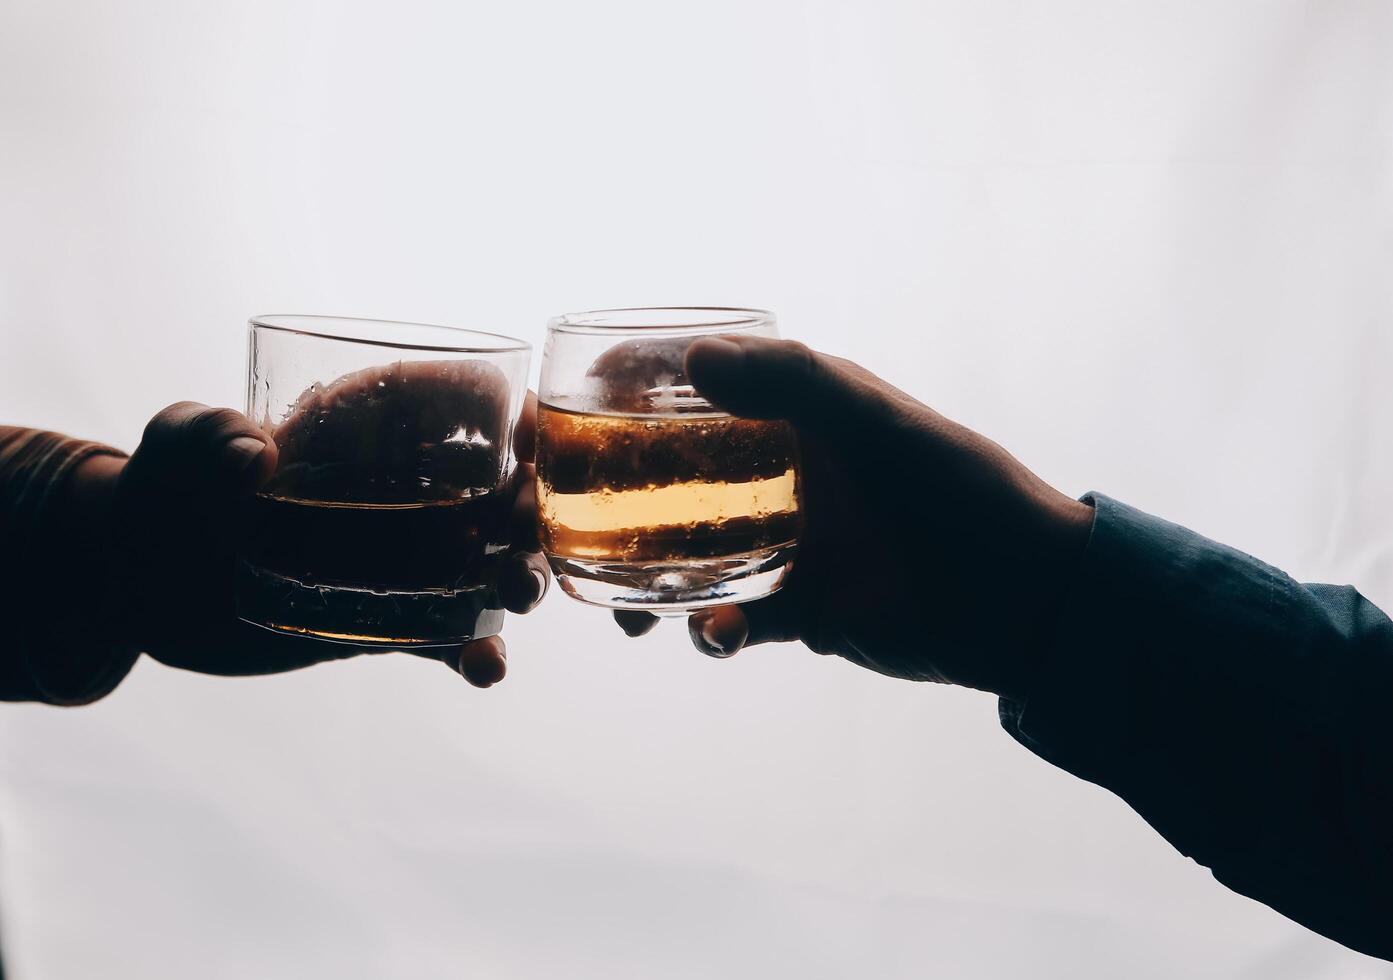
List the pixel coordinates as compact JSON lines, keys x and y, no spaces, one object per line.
{"x":363,"y":617}
{"x":675,"y":588}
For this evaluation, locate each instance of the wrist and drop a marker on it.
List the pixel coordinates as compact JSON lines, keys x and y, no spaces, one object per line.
{"x":89,"y":495}
{"x":95,"y":543}
{"x":90,"y":646}
{"x":1069,"y":525}
{"x":1074,"y":523}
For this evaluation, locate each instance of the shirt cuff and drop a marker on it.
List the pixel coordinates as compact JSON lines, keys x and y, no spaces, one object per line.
{"x":43,"y":560}
{"x":1123,"y":651}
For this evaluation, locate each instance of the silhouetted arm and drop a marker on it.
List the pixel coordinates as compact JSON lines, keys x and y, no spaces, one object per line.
{"x":1244,"y":715}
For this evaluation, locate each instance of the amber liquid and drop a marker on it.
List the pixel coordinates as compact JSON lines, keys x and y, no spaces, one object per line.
{"x":641,"y":489}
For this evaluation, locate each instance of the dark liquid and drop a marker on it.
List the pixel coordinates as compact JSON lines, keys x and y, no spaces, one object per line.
{"x":404,"y":572}
{"x":438,"y":544}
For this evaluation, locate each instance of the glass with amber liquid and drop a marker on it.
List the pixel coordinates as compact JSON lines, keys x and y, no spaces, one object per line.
{"x":649,"y":496}
{"x":387,"y":517}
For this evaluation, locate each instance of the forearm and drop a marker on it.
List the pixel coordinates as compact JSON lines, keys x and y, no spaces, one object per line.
{"x":1238,"y":711}
{"x":58,"y":645}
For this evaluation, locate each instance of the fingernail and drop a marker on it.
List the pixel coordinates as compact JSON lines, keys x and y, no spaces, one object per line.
{"x":630,"y":629}
{"x":701,"y":626}
{"x":715,"y":355}
{"x":541,"y":580}
{"x":243,"y":451}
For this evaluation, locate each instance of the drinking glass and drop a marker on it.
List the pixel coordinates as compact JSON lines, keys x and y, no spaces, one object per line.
{"x":387,"y":515}
{"x":650,"y":497}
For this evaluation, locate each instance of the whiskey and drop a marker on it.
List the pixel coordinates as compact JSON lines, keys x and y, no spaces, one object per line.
{"x":431,"y":544}
{"x":373,"y":556}
{"x":621,"y":488}
{"x":673,"y":504}
{"x":386,"y":520}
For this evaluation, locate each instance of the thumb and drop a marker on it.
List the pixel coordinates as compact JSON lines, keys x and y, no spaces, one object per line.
{"x":759,"y":377}
{"x":190,"y":447}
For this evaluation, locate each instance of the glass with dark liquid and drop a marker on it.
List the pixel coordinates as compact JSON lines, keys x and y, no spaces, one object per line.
{"x":387,"y":516}
{"x":649,"y":496}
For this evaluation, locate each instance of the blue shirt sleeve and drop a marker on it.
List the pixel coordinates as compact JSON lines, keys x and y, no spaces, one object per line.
{"x":1244,"y":715}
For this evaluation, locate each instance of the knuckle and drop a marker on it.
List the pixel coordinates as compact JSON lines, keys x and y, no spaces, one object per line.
{"x":169,"y":419}
{"x":795,"y":360}
{"x":798,"y":353}
{"x":215,"y":424}
{"x":809,"y":361}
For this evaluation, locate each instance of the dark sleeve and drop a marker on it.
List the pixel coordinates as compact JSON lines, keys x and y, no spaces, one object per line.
{"x":44,"y":566}
{"x":1244,"y":715}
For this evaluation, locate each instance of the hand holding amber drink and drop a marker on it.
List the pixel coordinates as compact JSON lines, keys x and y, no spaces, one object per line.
{"x":388,"y":516}
{"x":650,"y":497}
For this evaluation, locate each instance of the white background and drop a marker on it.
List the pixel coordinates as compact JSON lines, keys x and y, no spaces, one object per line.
{"x":1144,"y":245}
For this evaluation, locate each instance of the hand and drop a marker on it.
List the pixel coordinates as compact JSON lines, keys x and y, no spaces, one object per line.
{"x":930,"y":553}
{"x":166,"y":525}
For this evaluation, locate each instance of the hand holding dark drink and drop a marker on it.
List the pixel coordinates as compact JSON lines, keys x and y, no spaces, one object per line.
{"x":164,"y":527}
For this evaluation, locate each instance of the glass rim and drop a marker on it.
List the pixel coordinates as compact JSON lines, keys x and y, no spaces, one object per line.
{"x":321,"y":326}
{"x":669,"y":320}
